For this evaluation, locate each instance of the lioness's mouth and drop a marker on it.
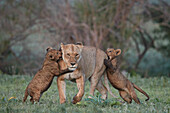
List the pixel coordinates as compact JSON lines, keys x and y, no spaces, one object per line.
{"x":72,"y":68}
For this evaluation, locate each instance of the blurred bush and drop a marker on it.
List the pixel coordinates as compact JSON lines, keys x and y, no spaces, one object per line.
{"x":139,"y":28}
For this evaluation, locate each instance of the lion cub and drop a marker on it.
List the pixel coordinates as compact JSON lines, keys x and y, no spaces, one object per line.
{"x":118,"y":80}
{"x":44,"y":77}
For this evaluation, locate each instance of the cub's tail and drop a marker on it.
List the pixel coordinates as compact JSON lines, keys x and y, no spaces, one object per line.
{"x":26,"y":95}
{"x":140,"y":90}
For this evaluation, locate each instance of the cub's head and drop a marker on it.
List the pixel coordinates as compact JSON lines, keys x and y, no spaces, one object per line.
{"x":71,"y":54}
{"x":53,"y":54}
{"x":112,"y":53}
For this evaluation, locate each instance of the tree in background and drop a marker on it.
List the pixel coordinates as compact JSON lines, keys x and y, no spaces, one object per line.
{"x":17,"y":22}
{"x":112,"y":23}
{"x":159,"y":13}
{"x":158,"y":38}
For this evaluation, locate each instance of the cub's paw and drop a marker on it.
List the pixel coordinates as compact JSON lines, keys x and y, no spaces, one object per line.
{"x":106,"y":62}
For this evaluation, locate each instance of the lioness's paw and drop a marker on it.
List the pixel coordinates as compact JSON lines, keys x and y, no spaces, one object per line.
{"x":62,"y":101}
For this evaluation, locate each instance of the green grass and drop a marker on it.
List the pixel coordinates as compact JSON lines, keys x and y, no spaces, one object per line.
{"x":158,"y":89}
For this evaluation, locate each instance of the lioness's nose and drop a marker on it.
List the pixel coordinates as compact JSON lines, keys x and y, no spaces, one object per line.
{"x":73,"y":63}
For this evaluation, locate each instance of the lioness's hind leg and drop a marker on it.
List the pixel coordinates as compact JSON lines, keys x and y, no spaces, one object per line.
{"x":102,"y":89}
{"x":125,"y":96}
{"x":94,"y":80}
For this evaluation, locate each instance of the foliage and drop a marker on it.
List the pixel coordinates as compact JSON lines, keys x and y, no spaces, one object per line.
{"x":106,"y":21}
{"x":162,"y":18}
{"x":18,"y":19}
{"x":13,"y":88}
{"x":153,"y":64}
{"x":136,"y":27}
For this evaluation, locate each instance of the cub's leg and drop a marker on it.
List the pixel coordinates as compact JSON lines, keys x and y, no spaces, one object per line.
{"x":31,"y":93}
{"x":125,"y":96}
{"x":80,"y":84}
{"x":31,"y":100}
{"x":61,"y":89}
{"x":133,"y":93}
{"x":135,"y":98}
{"x":102,"y":89}
{"x":95,"y":79}
{"x":36,"y":97}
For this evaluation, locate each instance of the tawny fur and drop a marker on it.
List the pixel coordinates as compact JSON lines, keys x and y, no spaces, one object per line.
{"x":118,"y":80}
{"x":44,"y":77}
{"x":88,"y":64}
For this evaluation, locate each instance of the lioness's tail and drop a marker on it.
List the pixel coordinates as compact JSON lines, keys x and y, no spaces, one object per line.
{"x":26,"y":95}
{"x":140,"y":90}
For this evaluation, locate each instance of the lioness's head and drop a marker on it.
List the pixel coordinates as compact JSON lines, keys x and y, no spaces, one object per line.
{"x":71,"y":55}
{"x":53,"y":54}
{"x":112,"y":53}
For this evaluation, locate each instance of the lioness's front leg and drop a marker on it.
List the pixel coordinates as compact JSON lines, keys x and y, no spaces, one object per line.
{"x":61,"y":89}
{"x":80,"y":84}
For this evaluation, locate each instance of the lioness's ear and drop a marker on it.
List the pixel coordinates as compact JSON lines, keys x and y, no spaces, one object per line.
{"x":118,"y":52}
{"x":79,"y":43}
{"x":48,"y":48}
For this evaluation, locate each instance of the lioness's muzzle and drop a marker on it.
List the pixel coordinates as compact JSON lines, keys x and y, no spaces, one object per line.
{"x":72,"y":63}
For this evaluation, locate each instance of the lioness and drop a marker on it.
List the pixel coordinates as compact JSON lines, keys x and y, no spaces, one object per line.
{"x":118,"y":80}
{"x":44,"y":77}
{"x":87,"y":63}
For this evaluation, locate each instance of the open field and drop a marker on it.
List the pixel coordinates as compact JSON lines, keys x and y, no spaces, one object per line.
{"x":158,"y":89}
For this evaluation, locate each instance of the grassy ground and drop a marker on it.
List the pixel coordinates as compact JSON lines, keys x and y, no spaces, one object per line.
{"x":14,"y":86}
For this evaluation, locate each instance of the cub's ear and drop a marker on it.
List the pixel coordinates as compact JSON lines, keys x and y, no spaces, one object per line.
{"x":60,"y":49}
{"x":118,"y":52}
{"x":79,"y":43}
{"x":61,"y":46}
{"x":48,"y":48}
{"x":61,"y":43}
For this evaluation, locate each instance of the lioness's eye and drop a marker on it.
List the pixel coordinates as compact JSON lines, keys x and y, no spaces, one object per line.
{"x":68,"y":54}
{"x":57,"y":53}
{"x":110,"y":51}
{"x":77,"y":55}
